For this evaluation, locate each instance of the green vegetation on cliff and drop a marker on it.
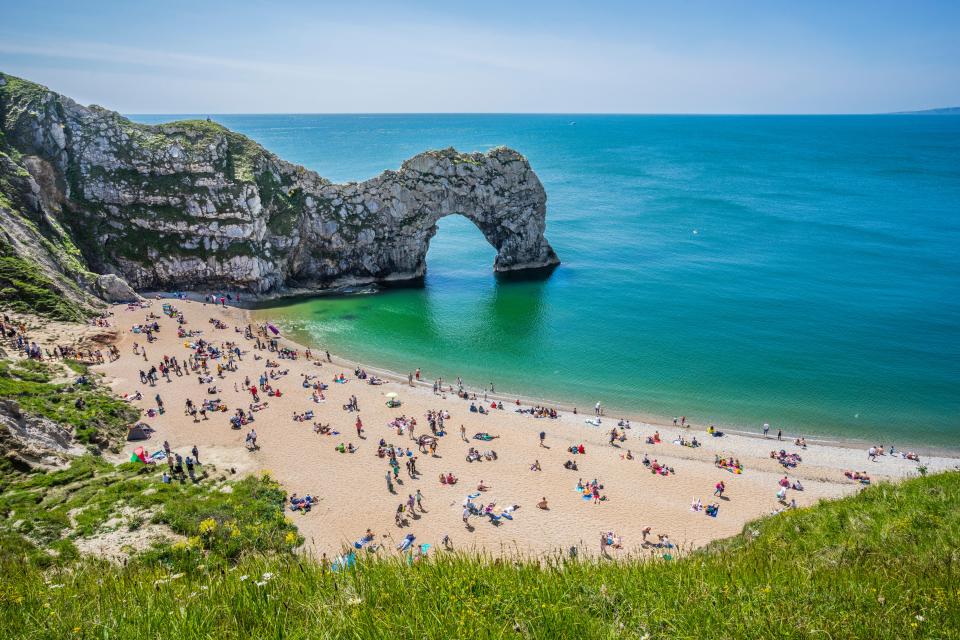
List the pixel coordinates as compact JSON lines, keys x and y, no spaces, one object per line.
{"x":95,"y":414}
{"x":882,"y":564}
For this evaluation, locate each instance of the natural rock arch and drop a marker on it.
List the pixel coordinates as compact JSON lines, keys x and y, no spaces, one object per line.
{"x":192,"y":204}
{"x":397,"y":213}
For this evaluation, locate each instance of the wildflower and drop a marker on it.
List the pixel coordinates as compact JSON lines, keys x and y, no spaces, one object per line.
{"x":919,"y":617}
{"x":267,"y":575}
{"x":242,"y":578}
{"x":176,"y":576}
{"x":55,"y":586}
{"x":260,"y":584}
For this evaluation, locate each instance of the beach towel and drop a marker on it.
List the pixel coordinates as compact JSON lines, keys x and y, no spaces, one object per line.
{"x":344,"y":562}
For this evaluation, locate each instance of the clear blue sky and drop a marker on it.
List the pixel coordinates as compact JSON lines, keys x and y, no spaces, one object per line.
{"x":672,"y":56}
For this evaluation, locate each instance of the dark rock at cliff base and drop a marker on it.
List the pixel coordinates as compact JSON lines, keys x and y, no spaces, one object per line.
{"x":193,"y":205}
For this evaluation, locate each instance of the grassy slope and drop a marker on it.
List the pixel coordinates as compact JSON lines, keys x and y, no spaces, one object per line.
{"x":879,"y":565}
{"x":104,"y":416}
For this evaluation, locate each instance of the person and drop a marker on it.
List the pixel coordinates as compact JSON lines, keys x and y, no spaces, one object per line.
{"x":481,"y":486}
{"x":166,"y":478}
{"x":719,"y":488}
{"x":419,"y":498}
{"x":543,"y":436}
{"x":535,"y":466}
{"x":596,"y":410}
{"x":779,"y":434}
{"x":466,"y":516}
{"x":766,"y":429}
{"x":463,"y":433}
{"x":196,"y":454}
{"x":543,"y":504}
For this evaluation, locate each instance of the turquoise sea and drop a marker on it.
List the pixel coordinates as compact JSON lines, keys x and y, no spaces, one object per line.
{"x":802,"y":271}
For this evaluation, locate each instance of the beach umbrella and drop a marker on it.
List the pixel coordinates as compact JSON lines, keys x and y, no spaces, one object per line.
{"x":392,"y":396}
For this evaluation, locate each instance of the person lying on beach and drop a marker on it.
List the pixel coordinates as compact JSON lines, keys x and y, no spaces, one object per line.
{"x":483,"y":435}
{"x":322,"y":429}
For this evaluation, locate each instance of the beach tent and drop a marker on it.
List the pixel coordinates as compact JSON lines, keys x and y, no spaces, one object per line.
{"x":139,"y":431}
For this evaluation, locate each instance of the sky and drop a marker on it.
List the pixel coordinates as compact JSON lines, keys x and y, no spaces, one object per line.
{"x":517,"y":56}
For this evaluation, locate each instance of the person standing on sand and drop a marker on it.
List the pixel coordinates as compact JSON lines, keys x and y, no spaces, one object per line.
{"x":719,"y":488}
{"x":417,"y":374}
{"x":359,"y":426}
{"x":410,"y":378}
{"x":543,"y":436}
{"x":463,"y":433}
{"x":596,"y":410}
{"x":779,"y":434}
{"x":419,"y":498}
{"x":196,"y":453}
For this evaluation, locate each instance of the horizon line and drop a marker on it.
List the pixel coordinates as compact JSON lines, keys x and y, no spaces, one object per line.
{"x":534,"y":113}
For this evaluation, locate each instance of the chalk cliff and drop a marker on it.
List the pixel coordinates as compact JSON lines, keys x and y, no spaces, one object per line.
{"x":193,"y":205}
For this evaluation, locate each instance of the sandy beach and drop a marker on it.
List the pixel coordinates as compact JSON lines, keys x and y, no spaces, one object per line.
{"x":352,"y":489}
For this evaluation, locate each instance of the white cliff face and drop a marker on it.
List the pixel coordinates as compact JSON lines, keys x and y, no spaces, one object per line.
{"x":194,"y":205}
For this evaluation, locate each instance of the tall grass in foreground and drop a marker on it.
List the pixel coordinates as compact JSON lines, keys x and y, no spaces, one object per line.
{"x":882,"y":564}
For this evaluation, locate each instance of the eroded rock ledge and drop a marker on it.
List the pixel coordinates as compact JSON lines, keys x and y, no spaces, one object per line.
{"x":193,"y":205}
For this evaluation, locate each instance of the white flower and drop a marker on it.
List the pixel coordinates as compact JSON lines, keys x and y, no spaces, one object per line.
{"x":242,"y":578}
{"x":204,"y":588}
{"x":267,"y":575}
{"x":55,"y":586}
{"x":919,"y":617}
{"x":260,"y":584}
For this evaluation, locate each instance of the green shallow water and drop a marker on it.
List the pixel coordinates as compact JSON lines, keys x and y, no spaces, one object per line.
{"x":801,"y":271}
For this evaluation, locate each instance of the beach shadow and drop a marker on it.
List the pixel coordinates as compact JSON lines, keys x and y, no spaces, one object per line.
{"x":725,"y":498}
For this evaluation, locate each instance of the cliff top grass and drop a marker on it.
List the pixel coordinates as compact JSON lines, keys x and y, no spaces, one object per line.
{"x":882,"y":564}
